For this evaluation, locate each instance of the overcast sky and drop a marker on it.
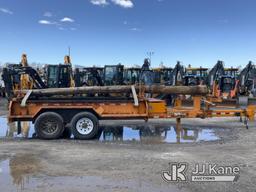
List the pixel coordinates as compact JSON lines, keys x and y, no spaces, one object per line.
{"x":197,"y":32}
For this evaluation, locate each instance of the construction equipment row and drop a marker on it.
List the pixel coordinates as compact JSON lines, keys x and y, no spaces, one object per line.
{"x":227,"y":83}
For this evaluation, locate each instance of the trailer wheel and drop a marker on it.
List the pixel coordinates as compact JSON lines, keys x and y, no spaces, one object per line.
{"x":85,"y":125}
{"x":49,"y":125}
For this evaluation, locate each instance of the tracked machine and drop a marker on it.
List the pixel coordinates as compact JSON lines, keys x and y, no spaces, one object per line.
{"x":195,"y":76}
{"x":113,"y":75}
{"x":22,"y":76}
{"x":247,"y":81}
{"x":2,"y":86}
{"x":163,"y":75}
{"x":59,"y":76}
{"x":146,"y":75}
{"x":223,"y":83}
{"x":178,"y":74}
{"x":89,"y":76}
{"x":132,"y":75}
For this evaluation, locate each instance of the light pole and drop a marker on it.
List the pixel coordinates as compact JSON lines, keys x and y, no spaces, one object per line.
{"x":69,"y":51}
{"x":150,"y":53}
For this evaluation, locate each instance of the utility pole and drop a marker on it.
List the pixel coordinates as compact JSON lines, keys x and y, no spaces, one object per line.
{"x":150,"y":53}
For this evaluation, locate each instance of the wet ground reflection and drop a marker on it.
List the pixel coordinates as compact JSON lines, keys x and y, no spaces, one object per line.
{"x":16,"y":172}
{"x":156,"y":134}
{"x":24,"y":173}
{"x":9,"y":130}
{"x":146,"y":133}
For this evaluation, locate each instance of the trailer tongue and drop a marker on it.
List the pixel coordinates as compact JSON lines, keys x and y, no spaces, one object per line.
{"x":53,"y":110}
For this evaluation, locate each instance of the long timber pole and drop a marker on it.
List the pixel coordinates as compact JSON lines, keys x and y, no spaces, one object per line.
{"x":161,"y":89}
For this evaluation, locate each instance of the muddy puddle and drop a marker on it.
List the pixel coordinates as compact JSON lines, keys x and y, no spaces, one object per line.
{"x":146,"y":133}
{"x":156,"y":134}
{"x":24,"y":173}
{"x":15,"y":172}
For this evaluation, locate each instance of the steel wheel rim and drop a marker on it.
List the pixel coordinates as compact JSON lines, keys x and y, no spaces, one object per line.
{"x":49,"y":126}
{"x":84,"y":126}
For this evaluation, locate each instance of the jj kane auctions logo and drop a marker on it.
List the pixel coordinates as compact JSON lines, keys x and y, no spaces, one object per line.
{"x":201,"y":173}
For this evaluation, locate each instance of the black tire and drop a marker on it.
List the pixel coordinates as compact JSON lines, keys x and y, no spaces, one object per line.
{"x":85,"y":126}
{"x":49,"y":125}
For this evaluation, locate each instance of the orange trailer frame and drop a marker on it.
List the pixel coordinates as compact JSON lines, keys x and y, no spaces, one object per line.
{"x":146,"y":109}
{"x":71,"y":111}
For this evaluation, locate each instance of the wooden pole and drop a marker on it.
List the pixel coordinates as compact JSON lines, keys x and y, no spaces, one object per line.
{"x":161,"y":89}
